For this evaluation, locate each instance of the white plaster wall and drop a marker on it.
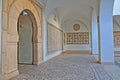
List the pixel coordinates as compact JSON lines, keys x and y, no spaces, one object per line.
{"x":68,"y":27}
{"x":51,"y":20}
{"x":0,"y":39}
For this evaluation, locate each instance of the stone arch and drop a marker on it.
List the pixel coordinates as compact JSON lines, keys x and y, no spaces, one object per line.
{"x":14,"y":11}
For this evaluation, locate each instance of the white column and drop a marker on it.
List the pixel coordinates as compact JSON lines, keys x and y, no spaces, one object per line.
{"x":44,"y":37}
{"x":94,"y":33}
{"x":0,"y":39}
{"x":106,"y":31}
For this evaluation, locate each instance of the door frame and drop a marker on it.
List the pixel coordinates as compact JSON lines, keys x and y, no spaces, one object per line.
{"x":33,"y":36}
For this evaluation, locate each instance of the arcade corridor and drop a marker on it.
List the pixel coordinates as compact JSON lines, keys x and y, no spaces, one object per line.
{"x":59,"y":40}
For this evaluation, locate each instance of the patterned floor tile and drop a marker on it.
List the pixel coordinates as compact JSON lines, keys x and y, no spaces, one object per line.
{"x":66,"y":67}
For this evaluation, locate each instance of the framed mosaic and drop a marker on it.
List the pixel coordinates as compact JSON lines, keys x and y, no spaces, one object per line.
{"x":76,"y":38}
{"x":117,"y":38}
{"x":54,"y":38}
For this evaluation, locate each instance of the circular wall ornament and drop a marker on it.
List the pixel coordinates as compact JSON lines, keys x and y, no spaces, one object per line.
{"x":76,"y":27}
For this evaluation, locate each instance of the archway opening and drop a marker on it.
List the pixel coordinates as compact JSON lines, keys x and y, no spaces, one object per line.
{"x":27,"y":31}
{"x":116,"y":30}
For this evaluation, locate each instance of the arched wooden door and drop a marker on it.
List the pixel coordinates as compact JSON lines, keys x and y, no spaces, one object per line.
{"x":25,"y":44}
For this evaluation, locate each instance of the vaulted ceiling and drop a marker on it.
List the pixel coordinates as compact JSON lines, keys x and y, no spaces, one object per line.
{"x":68,"y":10}
{"x":71,"y":9}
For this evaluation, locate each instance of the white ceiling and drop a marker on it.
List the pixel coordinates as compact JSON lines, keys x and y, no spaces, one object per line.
{"x":71,"y":9}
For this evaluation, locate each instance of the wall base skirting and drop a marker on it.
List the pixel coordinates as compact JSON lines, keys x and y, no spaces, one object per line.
{"x":10,"y":75}
{"x":52,"y":55}
{"x":106,"y":63}
{"x":80,"y":51}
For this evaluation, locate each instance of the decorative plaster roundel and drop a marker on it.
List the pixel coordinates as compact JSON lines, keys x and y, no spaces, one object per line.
{"x":76,"y":27}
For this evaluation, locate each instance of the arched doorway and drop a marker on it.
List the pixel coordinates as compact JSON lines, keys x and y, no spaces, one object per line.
{"x":25,"y":45}
{"x":11,"y":36}
{"x":27,"y":33}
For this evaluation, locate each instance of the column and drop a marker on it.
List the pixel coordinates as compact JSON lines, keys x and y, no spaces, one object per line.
{"x":44,"y":37}
{"x":94,"y":33}
{"x":0,"y":39}
{"x":106,"y":43}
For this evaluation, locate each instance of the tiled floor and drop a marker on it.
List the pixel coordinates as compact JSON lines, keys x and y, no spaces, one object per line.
{"x":70,"y":66}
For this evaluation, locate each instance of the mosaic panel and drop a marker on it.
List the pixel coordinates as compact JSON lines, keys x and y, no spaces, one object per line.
{"x":117,"y":38}
{"x":76,"y":38}
{"x":54,"y":38}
